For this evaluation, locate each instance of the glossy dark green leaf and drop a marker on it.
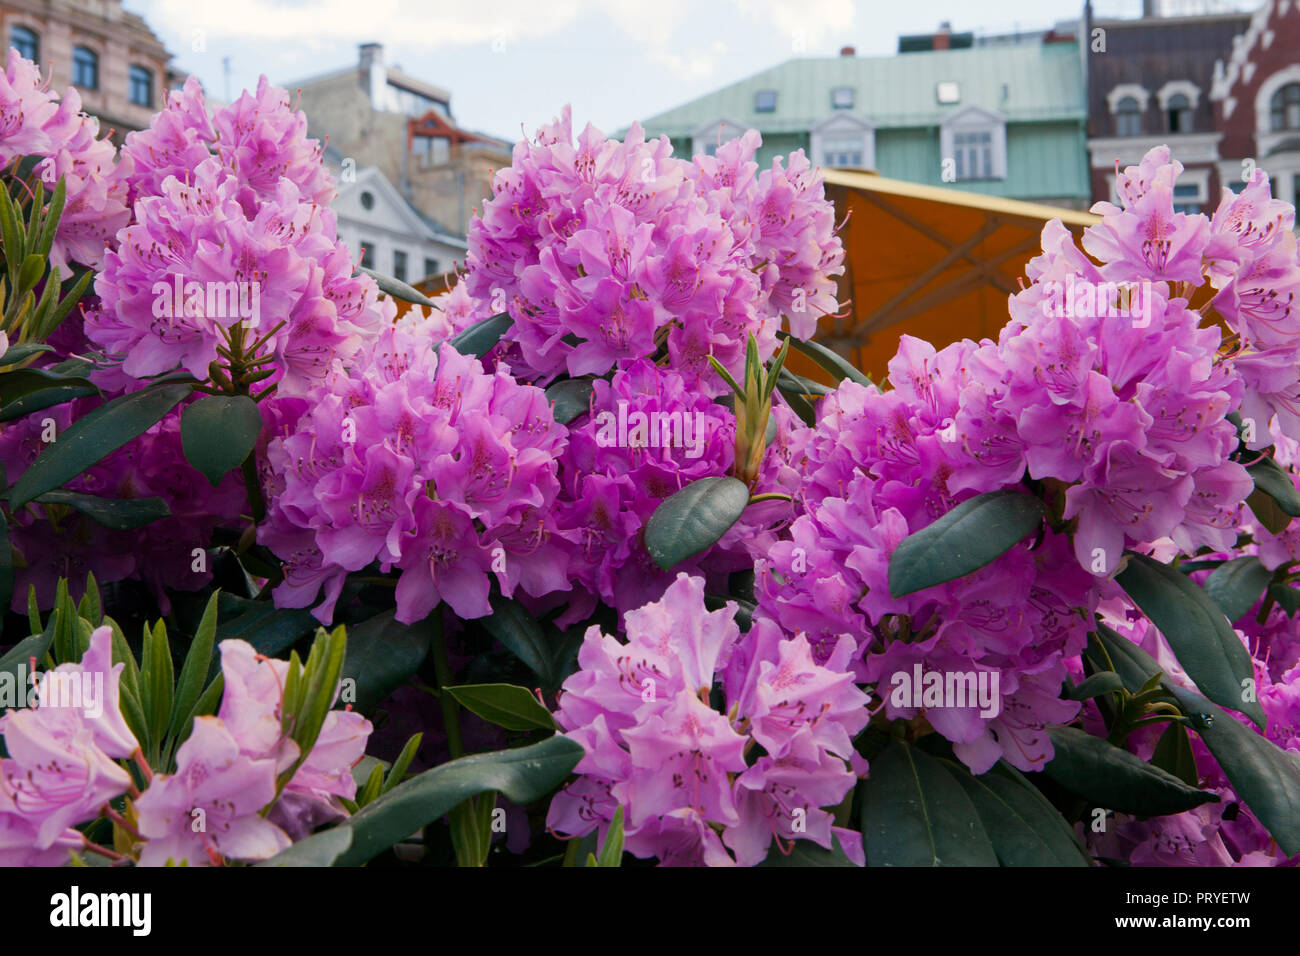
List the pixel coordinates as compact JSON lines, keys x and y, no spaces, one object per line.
{"x":1100,"y":683}
{"x":15,"y":666}
{"x":506,"y":705}
{"x":1195,"y":627}
{"x":397,"y":288}
{"x":808,"y":854}
{"x":1174,"y":754}
{"x":1267,"y":512}
{"x":1236,"y":585}
{"x":693,"y":519}
{"x":382,"y":655}
{"x":1024,"y":829}
{"x":972,"y":534}
{"x":1274,"y":480}
{"x":94,"y":436}
{"x":522,"y":634}
{"x":1266,"y":777}
{"x":194,"y":670}
{"x":116,"y":513}
{"x":915,"y":814}
{"x":571,"y":398}
{"x":1287,"y":597}
{"x":23,"y":351}
{"x":840,"y":367}
{"x":21,"y":382}
{"x":1108,"y":650}
{"x":480,"y":338}
{"x":1110,"y":777}
{"x":269,"y":629}
{"x":218,"y":432}
{"x":522,"y":775}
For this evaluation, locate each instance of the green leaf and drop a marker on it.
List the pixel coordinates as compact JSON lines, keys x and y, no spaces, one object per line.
{"x":25,"y":381}
{"x":1195,"y":627}
{"x":398,"y":289}
{"x":382,"y":655}
{"x":1236,"y":585}
{"x":1272,"y":479}
{"x":195,"y":669}
{"x":571,"y":398}
{"x":1108,"y":650}
{"x":321,"y":849}
{"x":1287,"y":596}
{"x":17,"y":662}
{"x":119,"y":514}
{"x":93,"y":437}
{"x":158,"y":677}
{"x":611,"y":851}
{"x":1100,"y":683}
{"x":506,"y":705}
{"x":915,"y":814}
{"x":218,"y":432}
{"x":840,"y":367}
{"x":522,"y":635}
{"x":522,"y":775}
{"x":1266,"y":777}
{"x":968,"y":537}
{"x":808,"y":854}
{"x":1111,"y":777}
{"x":1024,"y":829}
{"x":269,"y":629}
{"x":693,"y":519}
{"x":479,"y":338}
{"x":23,"y":351}
{"x":397,"y":772}
{"x":1174,"y":754}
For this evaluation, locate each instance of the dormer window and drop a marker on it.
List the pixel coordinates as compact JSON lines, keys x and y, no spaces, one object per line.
{"x":842,"y":98}
{"x":843,"y":141}
{"x":1179,"y":113}
{"x":947,"y":92}
{"x":1284,"y":109}
{"x":1128,"y":118}
{"x":975,"y":140}
{"x":765,"y":101}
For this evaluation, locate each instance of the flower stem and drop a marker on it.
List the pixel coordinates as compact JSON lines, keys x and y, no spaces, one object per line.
{"x":442,"y":668}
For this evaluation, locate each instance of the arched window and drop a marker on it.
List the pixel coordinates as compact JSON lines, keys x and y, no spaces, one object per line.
{"x":140,"y":86}
{"x":85,"y":68}
{"x":1285,"y":108}
{"x":26,"y":42}
{"x":1179,"y":110}
{"x":1128,"y":118}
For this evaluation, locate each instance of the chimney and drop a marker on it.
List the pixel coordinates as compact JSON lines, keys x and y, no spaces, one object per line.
{"x":848,"y":51}
{"x":1148,"y":9}
{"x":941,"y":36}
{"x":374,"y":75}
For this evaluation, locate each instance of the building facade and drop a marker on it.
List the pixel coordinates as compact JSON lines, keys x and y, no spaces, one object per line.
{"x":1150,"y":82}
{"x":375,"y":115}
{"x":119,"y":67}
{"x":1005,"y":118}
{"x":1256,"y":96}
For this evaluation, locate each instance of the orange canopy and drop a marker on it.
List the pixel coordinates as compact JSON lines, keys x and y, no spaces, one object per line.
{"x":927,"y":261}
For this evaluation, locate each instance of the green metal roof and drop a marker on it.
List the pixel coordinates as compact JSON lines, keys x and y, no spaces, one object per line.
{"x":1043,"y":82}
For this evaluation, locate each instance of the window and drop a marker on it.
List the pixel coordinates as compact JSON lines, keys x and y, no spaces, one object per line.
{"x":399,"y":265}
{"x":710,"y":149}
{"x":140,"y":86}
{"x":947,"y":92}
{"x":973,"y":152}
{"x":367,"y":200}
{"x":1179,"y":111}
{"x":1128,"y":118}
{"x":85,"y":68}
{"x":436,"y":150}
{"x":1285,"y":108}
{"x":842,"y":98}
{"x":26,"y":42}
{"x":845,"y":151}
{"x":367,"y":256}
{"x":765,"y":101}
{"x":1186,"y":192}
{"x":430,"y":266}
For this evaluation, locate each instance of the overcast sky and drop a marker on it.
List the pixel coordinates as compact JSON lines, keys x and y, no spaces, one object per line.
{"x":511,"y":64}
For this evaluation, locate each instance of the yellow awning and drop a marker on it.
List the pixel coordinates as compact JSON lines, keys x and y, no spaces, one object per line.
{"x":927,"y":261}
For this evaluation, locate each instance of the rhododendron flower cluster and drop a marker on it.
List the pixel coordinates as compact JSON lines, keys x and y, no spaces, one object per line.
{"x":878,"y":467}
{"x":694,"y":787}
{"x":418,"y":459}
{"x":36,"y":122}
{"x":602,"y":252}
{"x":62,"y":768}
